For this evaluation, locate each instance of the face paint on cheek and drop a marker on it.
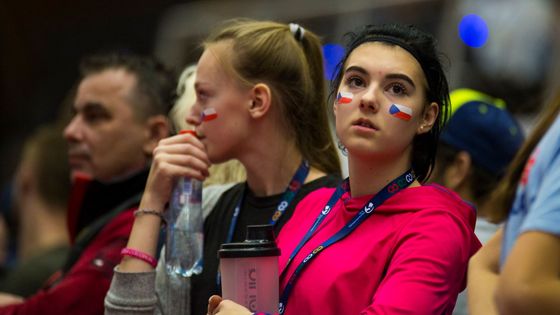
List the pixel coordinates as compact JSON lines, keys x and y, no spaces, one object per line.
{"x":400,"y":111}
{"x":209,"y":114}
{"x":344,"y":97}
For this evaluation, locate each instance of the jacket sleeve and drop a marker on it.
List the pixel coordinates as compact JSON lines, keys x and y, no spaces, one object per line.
{"x":427,"y":268}
{"x":131,"y":293}
{"x":83,"y":288}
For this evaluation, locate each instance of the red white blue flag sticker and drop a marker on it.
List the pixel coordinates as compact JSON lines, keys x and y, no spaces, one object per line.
{"x":209,"y":114}
{"x":344,"y":97}
{"x":401,"y":111}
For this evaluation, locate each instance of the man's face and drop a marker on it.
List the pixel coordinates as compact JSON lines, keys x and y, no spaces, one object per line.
{"x":106,"y":139}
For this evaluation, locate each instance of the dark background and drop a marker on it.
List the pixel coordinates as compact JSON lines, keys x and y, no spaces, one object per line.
{"x":41,"y":44}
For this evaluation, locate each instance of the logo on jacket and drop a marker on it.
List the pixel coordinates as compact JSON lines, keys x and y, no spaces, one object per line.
{"x":369,"y":208}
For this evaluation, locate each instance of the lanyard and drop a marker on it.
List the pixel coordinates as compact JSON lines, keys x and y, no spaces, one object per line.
{"x":389,"y":190}
{"x":289,"y":194}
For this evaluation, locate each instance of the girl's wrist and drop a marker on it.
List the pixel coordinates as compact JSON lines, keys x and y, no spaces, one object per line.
{"x":152,"y":200}
{"x":151,"y":212}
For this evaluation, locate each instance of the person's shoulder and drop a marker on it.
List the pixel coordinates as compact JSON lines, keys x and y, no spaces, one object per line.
{"x":316,"y":196}
{"x":441,"y":213}
{"x":436,"y":194}
{"x":549,"y":146}
{"x":326,"y":181}
{"x":436,"y":198}
{"x":316,"y":189}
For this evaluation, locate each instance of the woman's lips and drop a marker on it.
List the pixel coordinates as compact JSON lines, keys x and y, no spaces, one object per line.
{"x":365,"y":123}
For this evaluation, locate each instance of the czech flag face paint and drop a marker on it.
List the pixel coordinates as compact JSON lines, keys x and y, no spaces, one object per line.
{"x":344,"y":97}
{"x":401,"y":111}
{"x":209,"y":114}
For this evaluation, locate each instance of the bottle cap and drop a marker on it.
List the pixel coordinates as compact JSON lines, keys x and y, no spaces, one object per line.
{"x":260,"y":242}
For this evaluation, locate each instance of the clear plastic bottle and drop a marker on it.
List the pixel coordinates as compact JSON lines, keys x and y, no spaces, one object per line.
{"x":183,"y":246}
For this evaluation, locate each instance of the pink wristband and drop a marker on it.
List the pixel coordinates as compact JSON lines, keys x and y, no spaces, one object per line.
{"x":139,"y":255}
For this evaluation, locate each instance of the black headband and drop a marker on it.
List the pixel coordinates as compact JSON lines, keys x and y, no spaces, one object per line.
{"x":395,"y":41}
{"x":399,"y":42}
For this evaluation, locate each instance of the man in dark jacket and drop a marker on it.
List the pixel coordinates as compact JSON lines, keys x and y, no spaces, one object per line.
{"x":120,"y":110}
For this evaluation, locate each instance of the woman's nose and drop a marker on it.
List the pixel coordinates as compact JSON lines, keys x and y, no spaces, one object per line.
{"x":370,"y":100}
{"x":194,"y":117}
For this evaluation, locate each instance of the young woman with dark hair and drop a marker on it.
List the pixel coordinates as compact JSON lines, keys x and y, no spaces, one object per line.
{"x":382,"y":242}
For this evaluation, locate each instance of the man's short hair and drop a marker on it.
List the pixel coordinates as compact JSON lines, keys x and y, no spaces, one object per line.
{"x":154,"y":93}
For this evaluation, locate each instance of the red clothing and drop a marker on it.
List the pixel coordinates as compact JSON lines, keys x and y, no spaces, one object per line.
{"x":409,"y":257}
{"x":83,"y":289}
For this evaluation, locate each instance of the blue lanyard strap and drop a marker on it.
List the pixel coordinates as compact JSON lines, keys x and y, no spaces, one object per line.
{"x":389,"y":190}
{"x":291,"y":191}
{"x":289,"y":194}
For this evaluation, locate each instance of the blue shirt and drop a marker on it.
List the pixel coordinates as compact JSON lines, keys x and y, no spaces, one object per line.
{"x":536,"y":206}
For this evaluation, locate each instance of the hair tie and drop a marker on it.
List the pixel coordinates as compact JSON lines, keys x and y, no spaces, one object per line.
{"x":297,"y":31}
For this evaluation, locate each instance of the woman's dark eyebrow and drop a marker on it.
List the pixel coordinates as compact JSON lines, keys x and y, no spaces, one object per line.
{"x":357,"y":69}
{"x":401,"y":77}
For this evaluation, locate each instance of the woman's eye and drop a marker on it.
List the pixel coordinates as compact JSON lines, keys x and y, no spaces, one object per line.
{"x":397,"y":89}
{"x":355,"y":82}
{"x":201,"y":96}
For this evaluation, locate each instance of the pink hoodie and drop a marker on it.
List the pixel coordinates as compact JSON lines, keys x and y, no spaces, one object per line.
{"x":409,"y":257}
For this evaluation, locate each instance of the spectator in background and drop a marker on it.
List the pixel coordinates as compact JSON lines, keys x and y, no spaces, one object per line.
{"x":8,"y":233}
{"x":476,"y":146}
{"x":120,"y":114}
{"x":41,"y":189}
{"x":517,"y":272}
{"x":7,"y":249}
{"x":223,"y":175}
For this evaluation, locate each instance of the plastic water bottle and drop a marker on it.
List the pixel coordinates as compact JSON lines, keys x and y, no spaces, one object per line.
{"x":183,"y":246}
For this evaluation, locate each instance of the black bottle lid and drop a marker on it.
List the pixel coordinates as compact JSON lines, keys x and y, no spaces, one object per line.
{"x":259,"y":242}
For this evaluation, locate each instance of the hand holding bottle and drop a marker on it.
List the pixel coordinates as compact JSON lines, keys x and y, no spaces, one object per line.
{"x":182,"y":155}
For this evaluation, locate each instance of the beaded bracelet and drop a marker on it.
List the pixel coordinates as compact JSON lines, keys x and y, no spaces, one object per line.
{"x":152,"y":212}
{"x":139,"y":255}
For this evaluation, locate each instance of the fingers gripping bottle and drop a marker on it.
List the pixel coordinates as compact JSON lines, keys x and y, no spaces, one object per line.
{"x":183,"y":245}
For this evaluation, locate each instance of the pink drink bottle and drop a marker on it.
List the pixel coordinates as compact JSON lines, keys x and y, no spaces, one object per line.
{"x":249,"y":270}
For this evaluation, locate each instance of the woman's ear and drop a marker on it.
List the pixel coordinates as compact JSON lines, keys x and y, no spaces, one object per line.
{"x":157,"y":128}
{"x":456,"y":176}
{"x":261,"y":100}
{"x":428,"y":118}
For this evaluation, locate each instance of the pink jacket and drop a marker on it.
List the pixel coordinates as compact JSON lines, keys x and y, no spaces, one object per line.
{"x":409,"y":257}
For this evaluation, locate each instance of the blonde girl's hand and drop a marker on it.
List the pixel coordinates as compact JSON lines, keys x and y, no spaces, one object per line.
{"x":182,"y":155}
{"x":218,"y":306}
